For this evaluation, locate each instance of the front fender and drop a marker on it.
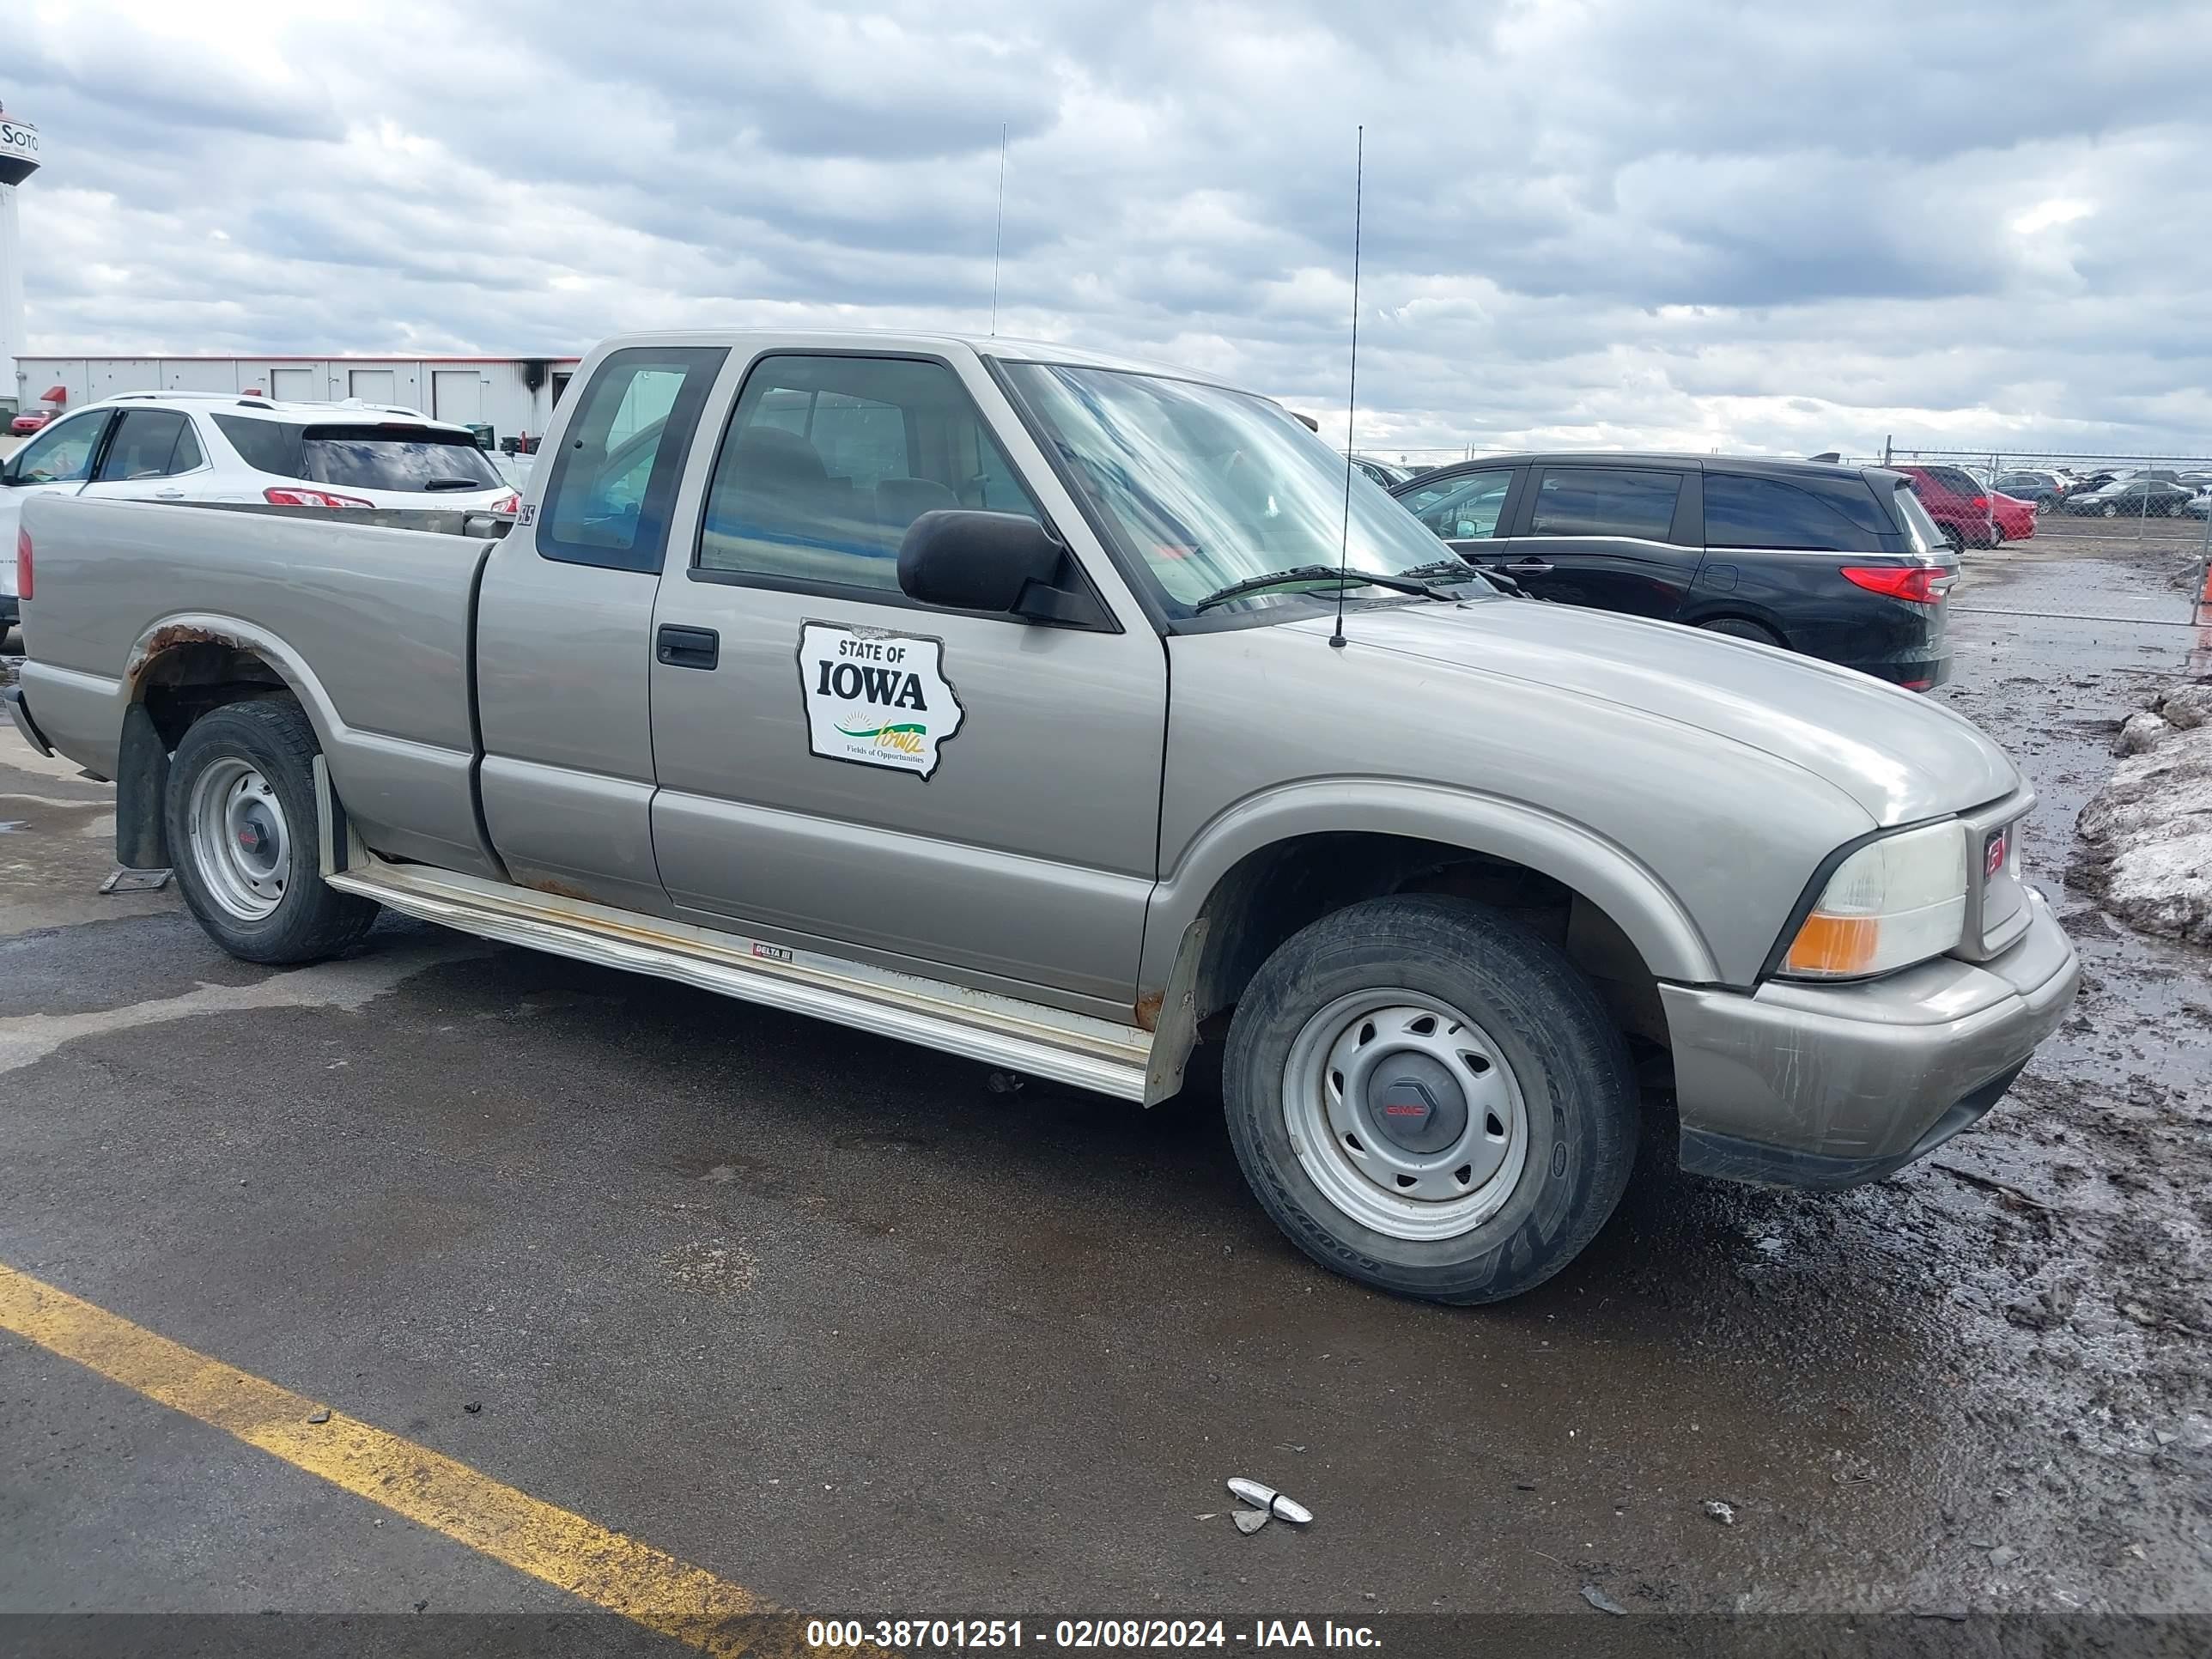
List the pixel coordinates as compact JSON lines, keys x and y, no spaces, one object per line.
{"x":1602,"y":871}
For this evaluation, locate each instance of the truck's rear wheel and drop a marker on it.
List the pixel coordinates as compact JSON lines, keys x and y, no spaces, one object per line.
{"x":243,"y":834}
{"x":1430,"y":1099}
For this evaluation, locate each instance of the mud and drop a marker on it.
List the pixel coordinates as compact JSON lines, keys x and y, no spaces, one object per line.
{"x":2076,"y":1284}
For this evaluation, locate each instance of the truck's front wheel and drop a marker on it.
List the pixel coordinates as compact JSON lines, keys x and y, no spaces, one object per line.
{"x":242,"y":829}
{"x":1430,"y":1099}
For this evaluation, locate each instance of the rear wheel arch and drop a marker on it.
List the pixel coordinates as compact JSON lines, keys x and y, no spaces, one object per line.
{"x":179,"y":673}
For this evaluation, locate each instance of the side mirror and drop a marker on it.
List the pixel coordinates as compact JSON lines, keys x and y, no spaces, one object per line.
{"x":967,"y":560}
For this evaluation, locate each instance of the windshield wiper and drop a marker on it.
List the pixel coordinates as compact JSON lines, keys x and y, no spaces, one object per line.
{"x":1453,"y":570}
{"x":457,"y":484}
{"x":1312,"y":573}
{"x":1459,"y":570}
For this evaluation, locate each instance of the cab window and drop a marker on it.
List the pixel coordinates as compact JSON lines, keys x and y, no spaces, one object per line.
{"x":613,"y":483}
{"x":827,"y":460}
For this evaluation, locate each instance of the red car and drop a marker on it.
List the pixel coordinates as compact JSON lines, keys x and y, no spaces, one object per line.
{"x":1967,"y":511}
{"x":24,"y":425}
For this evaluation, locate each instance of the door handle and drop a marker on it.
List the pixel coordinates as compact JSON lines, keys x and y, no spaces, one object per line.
{"x":1526,"y":567}
{"x":688,"y":648}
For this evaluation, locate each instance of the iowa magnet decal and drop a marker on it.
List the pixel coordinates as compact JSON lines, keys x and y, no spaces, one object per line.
{"x":875,"y":698}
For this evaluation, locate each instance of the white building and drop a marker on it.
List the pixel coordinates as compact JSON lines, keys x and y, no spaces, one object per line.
{"x":513,"y":395}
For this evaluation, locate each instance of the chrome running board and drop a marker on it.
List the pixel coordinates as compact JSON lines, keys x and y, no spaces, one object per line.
{"x":1023,"y":1036}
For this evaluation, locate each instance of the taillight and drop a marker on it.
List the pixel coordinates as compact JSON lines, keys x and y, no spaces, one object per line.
{"x":509,"y":504}
{"x":22,"y":562}
{"x":1981,"y":504}
{"x":1921,"y":584}
{"x":277,"y":496}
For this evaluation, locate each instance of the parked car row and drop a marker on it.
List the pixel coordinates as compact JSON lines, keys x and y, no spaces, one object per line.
{"x":2143,"y":496}
{"x":2109,"y":492}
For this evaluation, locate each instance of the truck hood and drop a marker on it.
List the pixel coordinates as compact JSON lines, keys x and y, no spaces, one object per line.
{"x":1898,"y":753}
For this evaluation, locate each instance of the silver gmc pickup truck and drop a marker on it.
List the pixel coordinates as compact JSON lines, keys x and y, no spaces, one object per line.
{"x":995,"y":696}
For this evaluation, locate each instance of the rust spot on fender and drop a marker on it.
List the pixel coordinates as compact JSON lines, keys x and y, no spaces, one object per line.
{"x":1148,"y":1010}
{"x":168,"y":639}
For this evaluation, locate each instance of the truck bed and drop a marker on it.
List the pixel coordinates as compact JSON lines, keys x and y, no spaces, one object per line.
{"x":379,"y":604}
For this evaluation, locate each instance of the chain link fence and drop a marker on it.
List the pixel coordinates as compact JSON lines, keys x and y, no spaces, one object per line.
{"x":1988,"y":493}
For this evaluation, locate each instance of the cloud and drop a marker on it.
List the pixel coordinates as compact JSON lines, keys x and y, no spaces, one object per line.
{"x":1586,"y":221}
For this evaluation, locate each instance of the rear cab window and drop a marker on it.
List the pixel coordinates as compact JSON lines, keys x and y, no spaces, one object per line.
{"x":612,"y":487}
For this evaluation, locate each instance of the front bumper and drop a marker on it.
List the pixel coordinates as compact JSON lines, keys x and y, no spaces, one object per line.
{"x":1834,"y":1086}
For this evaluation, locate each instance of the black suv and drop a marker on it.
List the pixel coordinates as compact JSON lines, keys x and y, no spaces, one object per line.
{"x":1839,"y":563}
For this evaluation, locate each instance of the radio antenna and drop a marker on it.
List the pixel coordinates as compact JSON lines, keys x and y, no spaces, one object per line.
{"x":1352,"y":396}
{"x":998,"y":236}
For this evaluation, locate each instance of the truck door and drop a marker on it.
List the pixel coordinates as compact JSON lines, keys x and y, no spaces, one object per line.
{"x":1613,"y":537}
{"x":964,"y":794}
{"x":564,"y":625}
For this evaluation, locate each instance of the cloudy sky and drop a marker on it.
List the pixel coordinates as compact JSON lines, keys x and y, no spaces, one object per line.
{"x":1588,"y":223}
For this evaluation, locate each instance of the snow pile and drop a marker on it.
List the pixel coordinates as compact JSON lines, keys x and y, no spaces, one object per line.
{"x":2145,"y":851}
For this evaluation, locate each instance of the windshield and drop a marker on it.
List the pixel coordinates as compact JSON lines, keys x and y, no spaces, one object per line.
{"x":1207,"y":487}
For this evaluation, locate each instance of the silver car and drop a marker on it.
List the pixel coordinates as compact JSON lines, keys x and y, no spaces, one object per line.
{"x":1063,"y":713}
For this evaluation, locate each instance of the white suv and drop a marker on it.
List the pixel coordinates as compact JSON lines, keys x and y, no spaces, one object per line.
{"x":194,"y":447}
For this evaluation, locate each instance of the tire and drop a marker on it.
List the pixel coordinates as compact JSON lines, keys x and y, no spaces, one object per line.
{"x":1737,"y":628}
{"x":1955,"y":539}
{"x":248,"y":769}
{"x":2111,"y":510}
{"x":1555,"y":1096}
{"x":1996,"y":534}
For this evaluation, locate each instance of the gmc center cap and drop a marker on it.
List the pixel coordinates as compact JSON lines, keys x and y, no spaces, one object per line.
{"x":1415,"y":1104}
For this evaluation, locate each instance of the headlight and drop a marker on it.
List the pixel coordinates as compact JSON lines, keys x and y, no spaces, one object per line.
{"x":1895,"y":902}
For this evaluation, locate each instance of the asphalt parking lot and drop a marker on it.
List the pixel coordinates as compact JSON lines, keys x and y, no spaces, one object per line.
{"x":837,"y":1324}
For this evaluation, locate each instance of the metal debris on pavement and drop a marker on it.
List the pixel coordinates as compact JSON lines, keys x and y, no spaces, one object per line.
{"x":1723,"y":1513}
{"x":320,"y":1414}
{"x":1263,"y":1496}
{"x":1250,"y":1521}
{"x":122,"y":880}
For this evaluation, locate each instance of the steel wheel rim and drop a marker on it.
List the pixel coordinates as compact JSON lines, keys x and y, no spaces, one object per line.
{"x":1351,"y":1087}
{"x":241,"y":844}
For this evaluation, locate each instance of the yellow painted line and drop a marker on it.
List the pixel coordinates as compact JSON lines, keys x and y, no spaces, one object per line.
{"x":605,"y":1568}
